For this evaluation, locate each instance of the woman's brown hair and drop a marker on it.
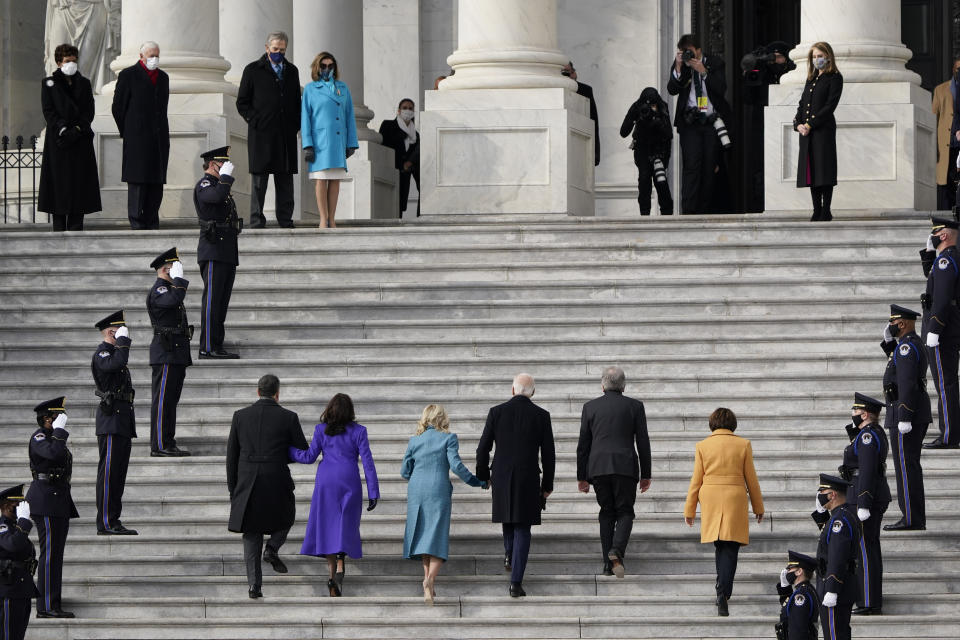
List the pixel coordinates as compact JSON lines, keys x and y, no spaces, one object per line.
{"x":723,"y":418}
{"x":831,"y":66}
{"x":315,"y":65}
{"x":338,"y":414}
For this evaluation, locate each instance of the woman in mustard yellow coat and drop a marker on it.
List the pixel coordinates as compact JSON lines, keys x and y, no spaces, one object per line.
{"x":723,"y":475}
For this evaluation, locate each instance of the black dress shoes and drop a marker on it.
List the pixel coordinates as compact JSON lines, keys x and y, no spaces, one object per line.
{"x":901,"y":525}
{"x":722,"y":609}
{"x":939,"y":444}
{"x":117,"y":530}
{"x":607,"y":568}
{"x":867,"y":611}
{"x":271,"y":556}
{"x":255,"y":593}
{"x":516,"y":590}
{"x":507,"y":562}
{"x":222,"y":354}
{"x":616,"y":564}
{"x":55,"y":613}
{"x":172,"y":452}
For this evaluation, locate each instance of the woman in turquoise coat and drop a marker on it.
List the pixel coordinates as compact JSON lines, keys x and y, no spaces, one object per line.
{"x":328,"y":132}
{"x":430,"y":456}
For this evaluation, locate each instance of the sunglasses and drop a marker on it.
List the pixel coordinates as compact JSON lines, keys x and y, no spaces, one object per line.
{"x":323,"y":67}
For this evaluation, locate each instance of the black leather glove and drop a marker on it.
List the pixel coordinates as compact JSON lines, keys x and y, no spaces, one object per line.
{"x":351,"y":151}
{"x":372,"y":504}
{"x":309,"y":155}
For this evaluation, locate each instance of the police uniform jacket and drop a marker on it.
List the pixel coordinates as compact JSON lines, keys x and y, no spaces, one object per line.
{"x":171,"y":333}
{"x":110,"y":374}
{"x":799,"y":611}
{"x":15,"y":545}
{"x":837,"y":555}
{"x":140,"y":111}
{"x":49,"y":455}
{"x":944,"y":317}
{"x":865,"y":461}
{"x":214,"y":203}
{"x":904,"y":381}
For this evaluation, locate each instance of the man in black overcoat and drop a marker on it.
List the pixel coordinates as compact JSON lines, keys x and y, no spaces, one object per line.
{"x":261,"y":488}
{"x":586,"y":91}
{"x":613,"y":454}
{"x":140,"y":111}
{"x":522,"y":433}
{"x":269,"y":100}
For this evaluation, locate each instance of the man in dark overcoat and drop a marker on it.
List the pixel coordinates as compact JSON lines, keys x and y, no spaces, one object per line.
{"x":261,"y":487}
{"x":140,"y":111}
{"x":269,"y":100}
{"x":523,"y":437}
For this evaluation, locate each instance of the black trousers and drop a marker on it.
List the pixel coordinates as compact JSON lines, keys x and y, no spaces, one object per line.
{"x":516,"y":544}
{"x":52,"y":538}
{"x":283,"y":188}
{"x":944,"y":361}
{"x":835,"y":621}
{"x":947,"y":193}
{"x":700,"y":152}
{"x":68,"y":222}
{"x":14,"y":617}
{"x":143,"y":204}
{"x":217,"y":287}
{"x":253,"y":550}
{"x":725,"y":554}
{"x":616,"y":495}
{"x":870,"y":565}
{"x":905,"y":451}
{"x":167,"y":385}
{"x":111,"y":478}
{"x":405,"y":188}
{"x":645,"y":180}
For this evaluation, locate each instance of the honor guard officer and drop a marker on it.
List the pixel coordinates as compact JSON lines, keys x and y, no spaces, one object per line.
{"x":169,"y":351}
{"x":799,"y":603}
{"x":217,"y":249}
{"x":51,"y":505}
{"x":908,"y":413}
{"x":837,"y":554}
{"x":115,"y":421}
{"x":18,"y":563}
{"x":942,"y":330}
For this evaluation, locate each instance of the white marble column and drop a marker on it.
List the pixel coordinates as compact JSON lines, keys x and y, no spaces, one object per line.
{"x":507,"y":133}
{"x":336,"y":26}
{"x":886,"y":134}
{"x":244,"y":26}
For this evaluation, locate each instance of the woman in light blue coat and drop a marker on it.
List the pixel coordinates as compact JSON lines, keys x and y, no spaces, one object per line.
{"x":430,"y":456}
{"x":328,"y":132}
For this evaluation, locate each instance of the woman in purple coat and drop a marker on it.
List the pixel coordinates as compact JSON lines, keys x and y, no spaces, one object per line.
{"x":333,"y":528}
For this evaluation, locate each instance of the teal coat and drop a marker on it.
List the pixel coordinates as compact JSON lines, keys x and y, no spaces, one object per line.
{"x":327,"y":123}
{"x":430,"y":457}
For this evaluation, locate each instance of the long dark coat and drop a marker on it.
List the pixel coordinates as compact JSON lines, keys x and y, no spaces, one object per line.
{"x":520,"y":430}
{"x":140,"y":111}
{"x":259,"y":480}
{"x":271,"y":107}
{"x":69,"y":181}
{"x":817,"y":103}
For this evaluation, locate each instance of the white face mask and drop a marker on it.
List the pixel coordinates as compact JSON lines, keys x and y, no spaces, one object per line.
{"x":68,"y":68}
{"x":406,"y":114}
{"x":153,"y":63}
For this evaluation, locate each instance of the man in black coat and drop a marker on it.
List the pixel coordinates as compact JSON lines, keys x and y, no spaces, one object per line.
{"x":699,"y":82}
{"x":586,"y":91}
{"x":140,"y":111}
{"x":269,"y":100}
{"x":401,"y":135}
{"x":522,"y":433}
{"x":613,"y":454}
{"x":261,"y":488}
{"x":18,"y":561}
{"x":69,"y":180}
{"x":116,"y":426}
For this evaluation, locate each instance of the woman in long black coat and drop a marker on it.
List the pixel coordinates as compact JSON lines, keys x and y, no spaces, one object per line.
{"x":817,"y":166}
{"x":69,"y":181}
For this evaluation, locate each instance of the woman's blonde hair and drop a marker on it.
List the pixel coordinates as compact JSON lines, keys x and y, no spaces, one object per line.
{"x":434,"y":415}
{"x":830,"y":67}
{"x":315,"y":65}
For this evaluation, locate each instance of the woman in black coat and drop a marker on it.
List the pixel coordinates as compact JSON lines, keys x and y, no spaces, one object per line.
{"x":69,"y":181}
{"x":817,"y":166}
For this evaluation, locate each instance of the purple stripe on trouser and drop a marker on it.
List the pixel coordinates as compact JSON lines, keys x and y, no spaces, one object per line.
{"x":106,"y":484}
{"x":163,"y":390}
{"x":209,"y":303}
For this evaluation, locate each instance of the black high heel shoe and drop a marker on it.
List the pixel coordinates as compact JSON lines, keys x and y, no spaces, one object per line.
{"x":333,"y":588}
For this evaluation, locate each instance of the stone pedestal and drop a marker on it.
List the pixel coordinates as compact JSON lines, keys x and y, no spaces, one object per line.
{"x":507,"y":133}
{"x":886,"y":134}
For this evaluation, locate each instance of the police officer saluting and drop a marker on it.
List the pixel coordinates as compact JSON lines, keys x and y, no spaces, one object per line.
{"x":799,"y":602}
{"x":217,"y":249}
{"x":51,"y":505}
{"x":115,"y":421}
{"x":837,"y":558}
{"x":908,"y":413}
{"x":18,"y":563}
{"x":169,"y":351}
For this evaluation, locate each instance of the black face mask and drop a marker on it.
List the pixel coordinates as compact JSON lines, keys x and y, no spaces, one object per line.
{"x":894,"y":330}
{"x":852,"y":431}
{"x":857,"y":420}
{"x":823,"y":499}
{"x":791,"y":577}
{"x":935,"y":240}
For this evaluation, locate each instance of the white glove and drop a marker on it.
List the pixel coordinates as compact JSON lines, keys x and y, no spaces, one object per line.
{"x":23,"y":510}
{"x":958,"y":162}
{"x":783,"y":578}
{"x":60,"y":422}
{"x":176,"y":269}
{"x":930,"y":246}
{"x":820,"y":507}
{"x":933,"y":339}
{"x":122,"y":332}
{"x":829,"y":599}
{"x":905,"y":427}
{"x":863,"y":514}
{"x":227,"y":168}
{"x":887,"y":336}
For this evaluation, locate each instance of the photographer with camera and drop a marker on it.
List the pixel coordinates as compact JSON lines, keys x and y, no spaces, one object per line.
{"x":649,"y":119}
{"x":699,"y":83}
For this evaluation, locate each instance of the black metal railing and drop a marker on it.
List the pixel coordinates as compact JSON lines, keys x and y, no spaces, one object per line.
{"x":14,"y":164}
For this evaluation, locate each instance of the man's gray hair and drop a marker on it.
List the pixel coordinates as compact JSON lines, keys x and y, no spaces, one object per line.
{"x":149,"y":44}
{"x":523,"y":385}
{"x":613,"y":379}
{"x":277,"y":35}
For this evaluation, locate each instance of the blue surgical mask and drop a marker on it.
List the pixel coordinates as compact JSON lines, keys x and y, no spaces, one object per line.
{"x":326,"y":74}
{"x":819,"y":63}
{"x":275,"y":57}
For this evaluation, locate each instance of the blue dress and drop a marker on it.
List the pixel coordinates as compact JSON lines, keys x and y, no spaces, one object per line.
{"x":334,"y":522}
{"x":427,"y":463}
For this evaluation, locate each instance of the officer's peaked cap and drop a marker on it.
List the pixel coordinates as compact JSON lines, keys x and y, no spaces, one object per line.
{"x":802,"y":560}
{"x":115,"y":319}
{"x":220,"y":153}
{"x":51,"y":406}
{"x":833,"y":482}
{"x":897,"y":312}
{"x":170,"y":255}
{"x":13,"y":493}
{"x":940,"y":223}
{"x":871,"y":405}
